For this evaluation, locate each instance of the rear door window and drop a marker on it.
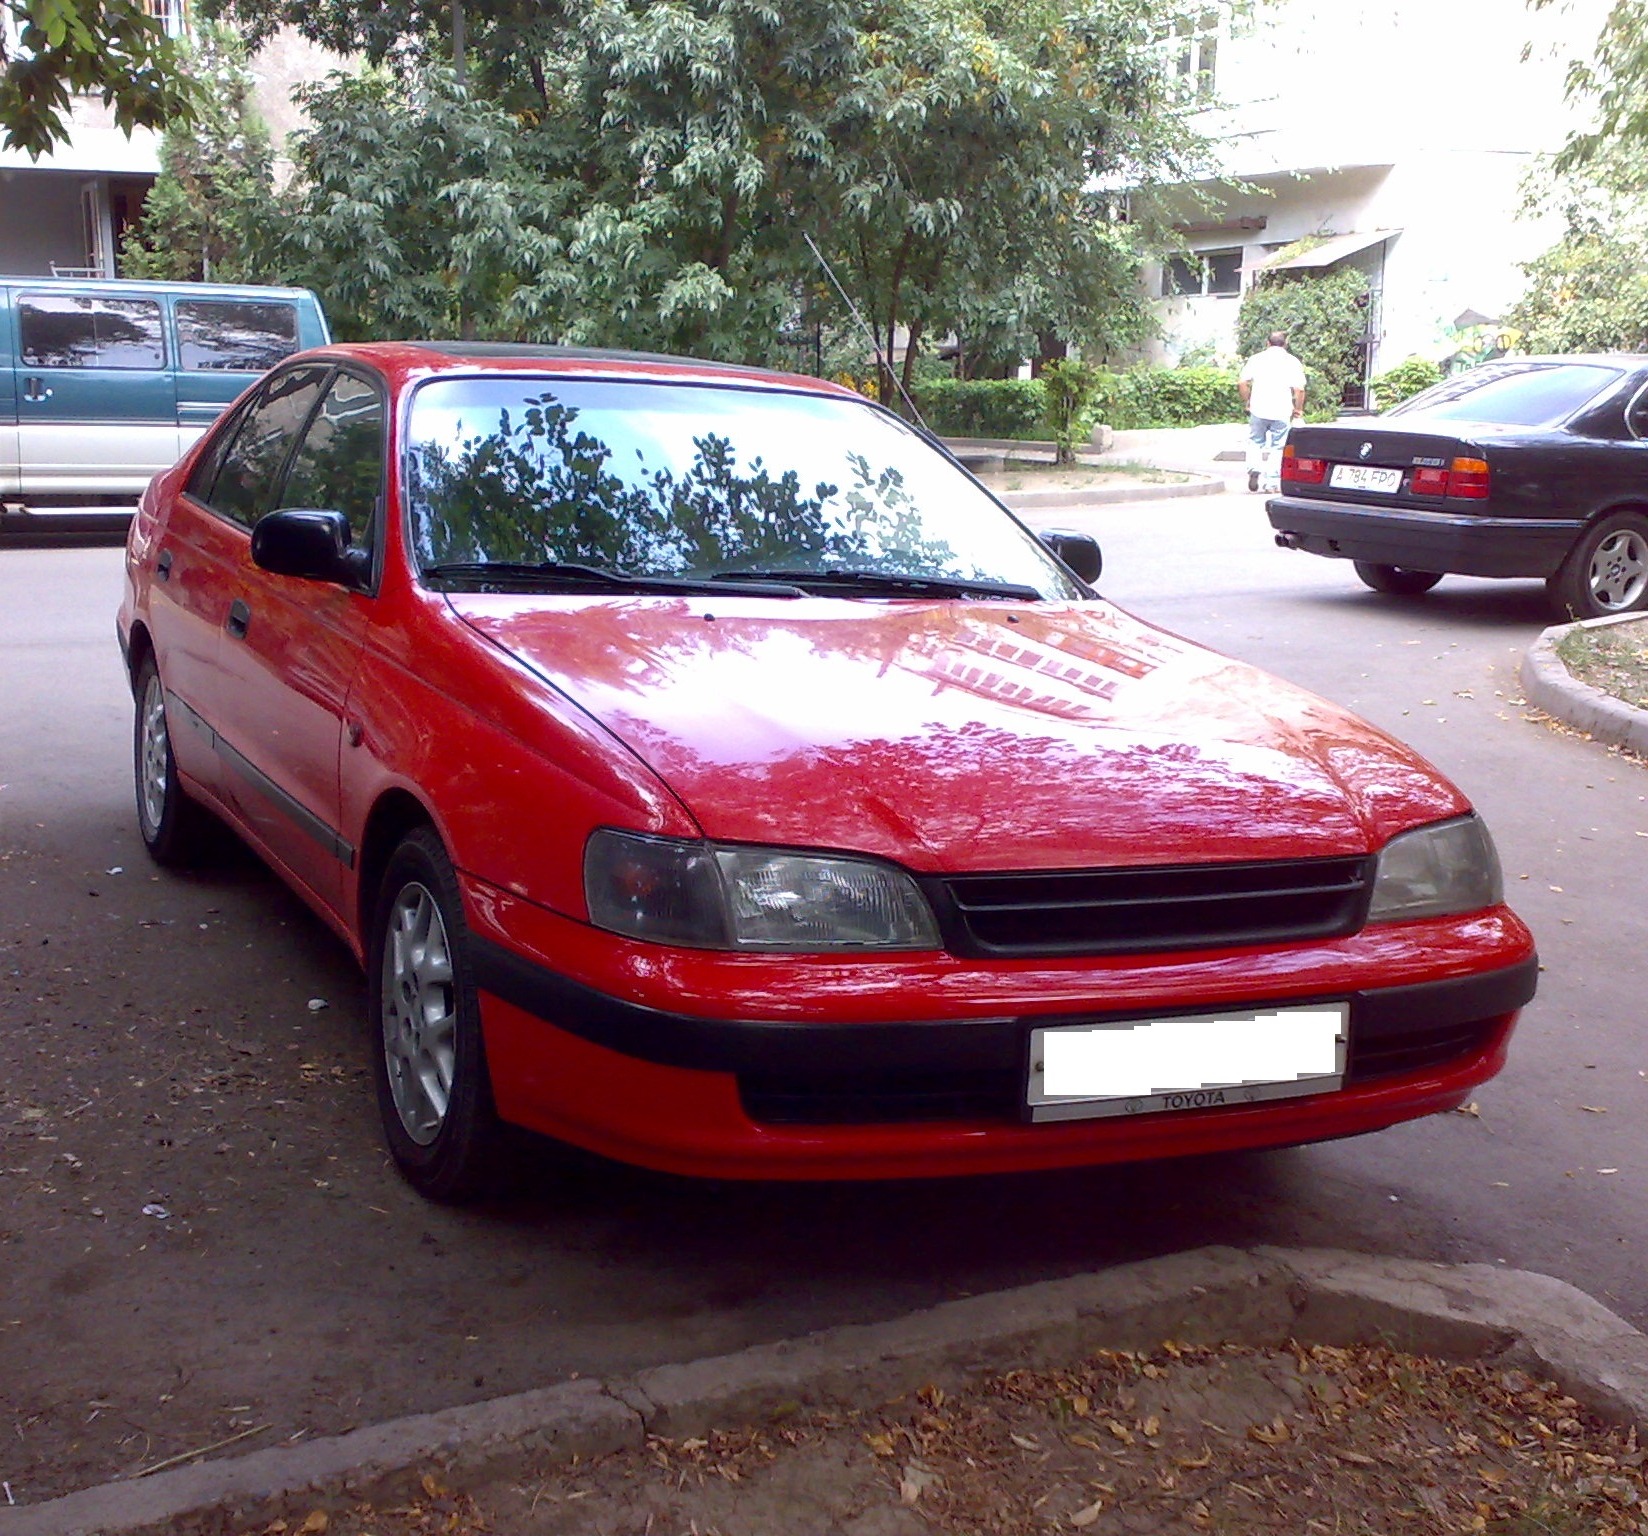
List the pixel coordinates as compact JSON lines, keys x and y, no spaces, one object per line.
{"x":234,"y":335}
{"x":61,"y":330}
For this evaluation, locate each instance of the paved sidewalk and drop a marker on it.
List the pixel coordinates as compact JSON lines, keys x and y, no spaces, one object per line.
{"x":1259,"y":1297}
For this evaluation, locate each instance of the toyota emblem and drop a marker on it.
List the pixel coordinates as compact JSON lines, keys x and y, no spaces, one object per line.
{"x":1364,"y":450}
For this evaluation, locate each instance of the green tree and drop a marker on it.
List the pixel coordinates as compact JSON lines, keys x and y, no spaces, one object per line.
{"x":417,"y":209}
{"x":211,"y":210}
{"x":1613,"y":82}
{"x":656,"y":168}
{"x":112,"y":49}
{"x":1324,"y":317}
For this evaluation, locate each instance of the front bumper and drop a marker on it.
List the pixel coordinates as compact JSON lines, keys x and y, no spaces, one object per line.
{"x":1418,"y":540}
{"x":862,"y":1091}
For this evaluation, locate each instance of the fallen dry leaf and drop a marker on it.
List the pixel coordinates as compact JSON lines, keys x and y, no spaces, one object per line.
{"x":1085,"y":1517}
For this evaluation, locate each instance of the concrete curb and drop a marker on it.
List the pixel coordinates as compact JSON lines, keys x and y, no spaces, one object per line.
{"x":1259,"y":1296}
{"x":1551,"y":687}
{"x":1101,"y":496}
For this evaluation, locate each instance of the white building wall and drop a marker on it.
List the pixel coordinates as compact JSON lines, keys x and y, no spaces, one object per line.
{"x":1418,"y":116}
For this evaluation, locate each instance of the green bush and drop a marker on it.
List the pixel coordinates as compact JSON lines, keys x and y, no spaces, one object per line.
{"x":1014,"y":408}
{"x":1324,"y":318}
{"x":1169,"y":397}
{"x":1071,"y":390}
{"x":1404,"y":381}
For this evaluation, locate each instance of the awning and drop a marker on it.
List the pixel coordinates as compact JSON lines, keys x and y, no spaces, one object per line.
{"x":1334,"y":248}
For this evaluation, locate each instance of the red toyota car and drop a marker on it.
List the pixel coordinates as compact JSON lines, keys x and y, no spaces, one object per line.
{"x":708,"y":772}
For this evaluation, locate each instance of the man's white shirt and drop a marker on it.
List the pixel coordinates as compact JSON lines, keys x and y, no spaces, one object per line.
{"x":1274,"y":373}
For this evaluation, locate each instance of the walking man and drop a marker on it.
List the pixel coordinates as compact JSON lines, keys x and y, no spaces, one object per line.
{"x":1272,"y":387}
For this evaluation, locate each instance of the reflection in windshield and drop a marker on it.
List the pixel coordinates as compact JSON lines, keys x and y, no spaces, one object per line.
{"x":666,"y":480}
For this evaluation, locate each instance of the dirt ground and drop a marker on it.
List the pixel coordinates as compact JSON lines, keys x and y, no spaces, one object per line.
{"x":1233,"y":1440}
{"x":1613,"y":658}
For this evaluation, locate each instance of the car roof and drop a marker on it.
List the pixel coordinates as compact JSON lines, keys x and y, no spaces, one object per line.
{"x":182,"y":287}
{"x":408,"y":358}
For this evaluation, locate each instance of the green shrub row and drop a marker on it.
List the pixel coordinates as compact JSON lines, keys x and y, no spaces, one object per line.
{"x":1141,"y":397}
{"x":983,"y":407}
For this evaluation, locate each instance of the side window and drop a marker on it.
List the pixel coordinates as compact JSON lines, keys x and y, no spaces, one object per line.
{"x":1636,"y":413}
{"x":243,"y":488}
{"x":63,"y":330}
{"x":339,"y":465}
{"x":234,"y":335}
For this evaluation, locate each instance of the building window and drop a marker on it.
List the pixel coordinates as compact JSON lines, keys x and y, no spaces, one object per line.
{"x":1195,"y":52}
{"x":169,"y":13}
{"x":1202,"y":273}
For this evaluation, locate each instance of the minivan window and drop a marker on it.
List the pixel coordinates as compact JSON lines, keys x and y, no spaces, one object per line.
{"x":234,"y":335}
{"x":61,"y":330}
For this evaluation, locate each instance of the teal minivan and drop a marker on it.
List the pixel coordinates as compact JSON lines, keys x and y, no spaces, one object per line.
{"x":105,"y":382}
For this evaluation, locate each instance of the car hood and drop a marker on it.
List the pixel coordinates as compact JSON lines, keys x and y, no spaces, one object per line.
{"x":967,"y":735}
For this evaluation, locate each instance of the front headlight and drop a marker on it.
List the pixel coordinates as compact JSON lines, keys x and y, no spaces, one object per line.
{"x":716,"y":896}
{"x":1436,"y":870}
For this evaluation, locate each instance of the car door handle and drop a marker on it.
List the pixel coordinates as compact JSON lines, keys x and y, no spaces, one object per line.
{"x":163,"y":565}
{"x":36,"y":389}
{"x":240,"y":617}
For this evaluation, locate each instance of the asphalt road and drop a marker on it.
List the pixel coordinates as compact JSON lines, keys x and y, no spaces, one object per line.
{"x":201,"y":1241}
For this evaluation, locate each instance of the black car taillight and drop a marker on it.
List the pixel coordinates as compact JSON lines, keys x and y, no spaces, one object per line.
{"x":1300,"y":470}
{"x":1465,"y":478}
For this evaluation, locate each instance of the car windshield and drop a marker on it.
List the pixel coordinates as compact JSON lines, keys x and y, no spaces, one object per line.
{"x":651,"y":480}
{"x":1511,"y":394}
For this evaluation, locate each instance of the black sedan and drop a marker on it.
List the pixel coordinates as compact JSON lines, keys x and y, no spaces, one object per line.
{"x":1528,"y":466}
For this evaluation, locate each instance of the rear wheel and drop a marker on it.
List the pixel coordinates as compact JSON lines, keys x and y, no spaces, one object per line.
{"x":434,"y":1093}
{"x":173,"y":825}
{"x":1606,"y":571}
{"x":1396,"y":579}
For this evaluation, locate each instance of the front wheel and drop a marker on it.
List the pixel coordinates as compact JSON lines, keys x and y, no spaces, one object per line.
{"x":173,"y":826}
{"x":1396,"y":579}
{"x":434,"y":1092}
{"x":1606,"y":571}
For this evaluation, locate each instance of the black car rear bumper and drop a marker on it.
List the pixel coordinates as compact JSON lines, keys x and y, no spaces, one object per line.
{"x":1417,"y":540}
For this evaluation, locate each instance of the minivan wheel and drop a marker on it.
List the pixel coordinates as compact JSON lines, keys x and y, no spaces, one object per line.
{"x":1396,"y":579}
{"x":1606,"y":571}
{"x":434,"y":1092}
{"x":173,"y":826}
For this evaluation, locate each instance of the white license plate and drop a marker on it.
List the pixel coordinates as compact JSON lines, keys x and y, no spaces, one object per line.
{"x":1083,"y":1071}
{"x":1366,"y":477}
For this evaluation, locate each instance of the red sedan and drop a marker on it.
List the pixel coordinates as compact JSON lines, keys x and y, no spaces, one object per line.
{"x":709,"y":773}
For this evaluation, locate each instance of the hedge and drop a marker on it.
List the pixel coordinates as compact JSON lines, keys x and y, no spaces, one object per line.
{"x":983,"y":407}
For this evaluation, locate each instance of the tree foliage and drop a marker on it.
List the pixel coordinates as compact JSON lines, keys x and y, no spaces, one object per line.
{"x":1613,"y":82}
{"x":111,"y":49}
{"x":211,"y":211}
{"x":649,"y":174}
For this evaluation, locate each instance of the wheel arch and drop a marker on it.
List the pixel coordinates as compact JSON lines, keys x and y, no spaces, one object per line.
{"x":396,"y":812}
{"x":139,"y":647}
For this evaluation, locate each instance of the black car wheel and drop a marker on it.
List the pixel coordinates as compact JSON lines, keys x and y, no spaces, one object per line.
{"x":1606,"y":571}
{"x":434,"y":1093}
{"x":1396,"y":579}
{"x":173,"y":826}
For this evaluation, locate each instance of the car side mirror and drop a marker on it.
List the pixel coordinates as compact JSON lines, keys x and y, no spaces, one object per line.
{"x":310,"y":544}
{"x":1079,"y":551}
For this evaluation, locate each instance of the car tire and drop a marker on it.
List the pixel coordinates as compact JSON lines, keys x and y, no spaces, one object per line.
{"x":1397,"y":580}
{"x":429,"y":1060}
{"x":1606,"y":571}
{"x":173,"y":826}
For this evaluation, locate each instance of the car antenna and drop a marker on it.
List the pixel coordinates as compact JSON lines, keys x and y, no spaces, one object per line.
{"x":864,"y":325}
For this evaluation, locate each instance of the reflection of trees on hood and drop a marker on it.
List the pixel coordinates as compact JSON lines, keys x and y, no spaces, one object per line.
{"x":542,"y":488}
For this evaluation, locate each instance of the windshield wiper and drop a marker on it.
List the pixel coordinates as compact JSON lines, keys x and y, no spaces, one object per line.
{"x":889,"y":583}
{"x":569,"y":573}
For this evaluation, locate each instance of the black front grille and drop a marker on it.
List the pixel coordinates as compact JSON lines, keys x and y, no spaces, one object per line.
{"x":1112,"y":911}
{"x":1384,"y":1055}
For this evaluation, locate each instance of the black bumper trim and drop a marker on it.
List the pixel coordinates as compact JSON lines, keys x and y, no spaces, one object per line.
{"x":1419,"y":540}
{"x":782,"y":1046}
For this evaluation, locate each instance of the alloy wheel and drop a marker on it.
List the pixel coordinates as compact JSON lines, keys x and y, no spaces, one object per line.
{"x":419,"y":1013}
